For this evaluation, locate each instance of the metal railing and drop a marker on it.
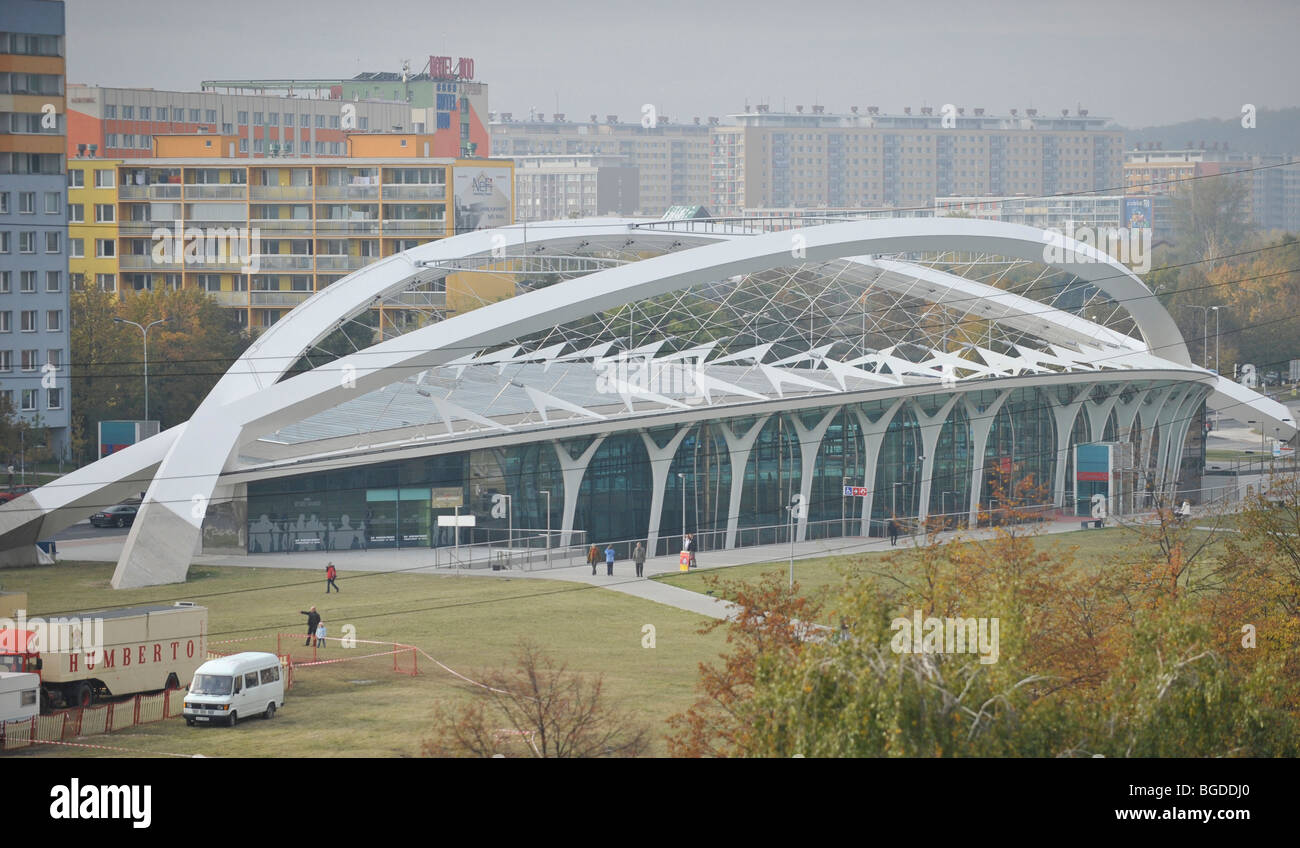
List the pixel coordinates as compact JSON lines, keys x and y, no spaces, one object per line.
{"x":292,"y":192}
{"x":204,"y":191}
{"x":325,"y":262}
{"x":406,"y":191}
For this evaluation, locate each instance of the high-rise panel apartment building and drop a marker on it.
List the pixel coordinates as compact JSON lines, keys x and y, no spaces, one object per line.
{"x":34,"y":360}
{"x":813,"y":159}
{"x":671,"y":158}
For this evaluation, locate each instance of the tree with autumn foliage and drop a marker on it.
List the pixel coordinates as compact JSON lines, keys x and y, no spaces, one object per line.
{"x":187,"y":356}
{"x":1126,"y":658}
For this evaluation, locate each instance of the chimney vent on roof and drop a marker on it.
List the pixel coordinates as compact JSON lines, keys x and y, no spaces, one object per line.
{"x":799,"y":109}
{"x":979,"y":112}
{"x":907,"y":110}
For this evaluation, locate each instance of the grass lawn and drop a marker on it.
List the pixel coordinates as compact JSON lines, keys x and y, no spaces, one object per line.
{"x":363,"y":708}
{"x":820,"y":578}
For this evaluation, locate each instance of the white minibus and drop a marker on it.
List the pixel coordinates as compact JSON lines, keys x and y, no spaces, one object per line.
{"x":227,"y":688}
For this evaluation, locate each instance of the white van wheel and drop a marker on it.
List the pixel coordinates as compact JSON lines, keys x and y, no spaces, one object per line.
{"x":270,"y":711}
{"x":234,"y":716}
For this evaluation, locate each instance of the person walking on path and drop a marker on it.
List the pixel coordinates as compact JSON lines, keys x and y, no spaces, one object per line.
{"x":893,"y":532}
{"x":593,"y":556}
{"x":313,"y":619}
{"x":638,"y":558}
{"x":330,"y":573}
{"x":689,"y":546}
{"x":609,"y":560}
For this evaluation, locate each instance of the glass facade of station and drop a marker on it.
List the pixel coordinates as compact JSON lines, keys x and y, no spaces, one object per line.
{"x":397,"y":504}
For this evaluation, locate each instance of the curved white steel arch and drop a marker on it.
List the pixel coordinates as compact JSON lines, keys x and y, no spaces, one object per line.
{"x":243,"y":403}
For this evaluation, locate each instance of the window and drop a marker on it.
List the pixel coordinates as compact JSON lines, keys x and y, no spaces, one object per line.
{"x":106,"y":282}
{"x":4,"y":241}
{"x":76,"y":179}
{"x":320,"y":122}
{"x":54,"y":281}
{"x":6,"y":322}
{"x":194,"y":116}
{"x":27,"y":202}
{"x":258,"y":118}
{"x":4,"y":203}
{"x":29,"y":320}
{"x":27,"y":242}
{"x":273,"y":119}
{"x":105,"y":178}
{"x":250,"y":680}
{"x":29,"y":360}
{"x":227,"y":129}
{"x":6,"y":360}
{"x":210,"y":116}
{"x":29,"y":400}
{"x":76,"y":213}
{"x":178,"y":114}
{"x":242,"y":117}
{"x":128,"y":113}
{"x":5,"y":278}
{"x":104,"y":213}
{"x":28,"y":284}
{"x":146,"y":113}
{"x":105,"y":248}
{"x":52,"y":241}
{"x":53,"y":202}
{"x":54,"y":356}
{"x":288,"y":119}
{"x":54,"y":320}
{"x":110,"y":110}
{"x":243,"y":145}
{"x":76,"y":248}
{"x":54,"y":398}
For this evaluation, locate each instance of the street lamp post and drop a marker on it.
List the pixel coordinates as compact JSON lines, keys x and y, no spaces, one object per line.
{"x":1205,"y":336}
{"x":144,"y":331}
{"x":681,"y":483}
{"x":844,"y":522}
{"x":548,"y":526}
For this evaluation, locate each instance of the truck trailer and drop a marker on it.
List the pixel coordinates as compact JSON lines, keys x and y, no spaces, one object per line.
{"x":108,"y":653}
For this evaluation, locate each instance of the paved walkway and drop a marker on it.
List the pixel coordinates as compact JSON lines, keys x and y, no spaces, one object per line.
{"x":421,"y":561}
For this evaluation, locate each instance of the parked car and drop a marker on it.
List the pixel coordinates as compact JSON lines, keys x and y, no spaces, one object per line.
{"x":6,"y":495}
{"x":121,"y":515}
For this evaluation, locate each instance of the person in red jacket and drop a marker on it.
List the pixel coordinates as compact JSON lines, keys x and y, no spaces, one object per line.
{"x":330,"y":574}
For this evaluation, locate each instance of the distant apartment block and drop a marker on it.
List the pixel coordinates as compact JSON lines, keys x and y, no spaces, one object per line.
{"x":813,"y":159}
{"x":671,"y":158}
{"x":579,"y":186}
{"x":1272,"y":180}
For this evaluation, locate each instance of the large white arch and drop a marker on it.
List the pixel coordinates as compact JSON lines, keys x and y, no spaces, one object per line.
{"x":248,"y":401}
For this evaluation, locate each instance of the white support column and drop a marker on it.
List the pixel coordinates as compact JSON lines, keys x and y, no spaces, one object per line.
{"x":873,"y":437}
{"x":1178,"y":425}
{"x":1168,"y":412}
{"x":981,"y":424}
{"x":1064,"y":415}
{"x":573,"y":469}
{"x":810,"y":442}
{"x":1099,"y":414}
{"x":1125,"y":416}
{"x":738,"y":448}
{"x":661,"y":459}
{"x":1150,"y":420}
{"x":931,"y":426}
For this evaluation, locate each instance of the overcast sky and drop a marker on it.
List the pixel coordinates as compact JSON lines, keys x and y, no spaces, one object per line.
{"x":1143,"y":63}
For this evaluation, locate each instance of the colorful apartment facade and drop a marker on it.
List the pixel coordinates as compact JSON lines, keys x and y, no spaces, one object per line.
{"x":34,"y":361}
{"x":262,"y":235}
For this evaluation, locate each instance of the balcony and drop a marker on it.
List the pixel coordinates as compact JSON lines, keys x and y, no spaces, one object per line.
{"x":361,"y":226}
{"x":230,"y":298}
{"x":281,"y":225}
{"x":347,"y":192}
{"x":162,"y":191}
{"x":415,"y":192}
{"x":417,"y":299}
{"x":265,"y":192}
{"x":282,"y":262}
{"x":133,"y":192}
{"x":279,"y":298}
{"x":140,"y":228}
{"x":216,"y":192}
{"x":395,"y":226}
{"x":342,"y":263}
